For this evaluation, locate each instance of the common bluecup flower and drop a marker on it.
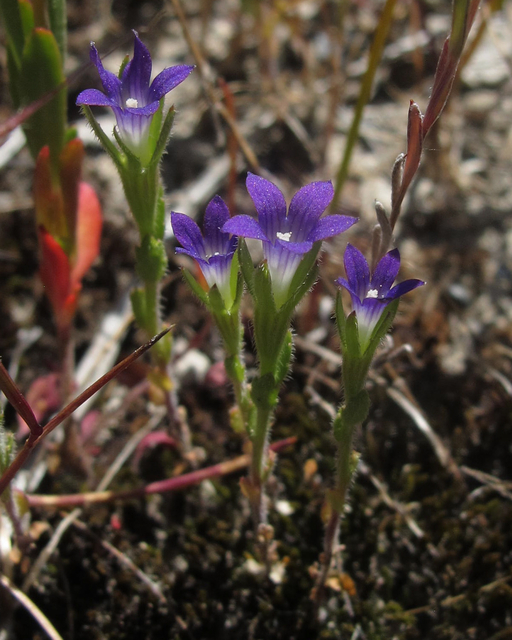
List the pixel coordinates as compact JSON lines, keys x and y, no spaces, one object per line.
{"x":371,"y":293}
{"x":132,"y":98}
{"x":287,"y":237}
{"x":213,"y":250}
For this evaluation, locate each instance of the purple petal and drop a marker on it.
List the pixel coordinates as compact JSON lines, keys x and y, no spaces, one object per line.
{"x":270,"y":205}
{"x":146,"y":111}
{"x":217,"y":241}
{"x":341,"y":282}
{"x":137,"y":74}
{"x":95,"y":98}
{"x":330,"y":226}
{"x":110,"y":81}
{"x":295,"y":247}
{"x":307,"y":206}
{"x":167,"y":80}
{"x":188,"y":235}
{"x":385,"y":273}
{"x":357,"y":270}
{"x":403,"y":288}
{"x":245,"y":227}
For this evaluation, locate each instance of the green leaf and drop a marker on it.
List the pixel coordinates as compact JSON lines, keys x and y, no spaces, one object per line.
{"x":11,"y":18}
{"x":42,"y":73}
{"x":58,"y":24}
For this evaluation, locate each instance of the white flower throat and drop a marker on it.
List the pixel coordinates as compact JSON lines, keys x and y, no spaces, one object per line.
{"x":284,"y":236}
{"x":132,"y":103}
{"x":372,"y":293}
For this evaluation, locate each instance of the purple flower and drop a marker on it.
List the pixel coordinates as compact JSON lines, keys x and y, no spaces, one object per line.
{"x":133,"y":99}
{"x":287,"y":237}
{"x":214,"y":250}
{"x":372,"y":293}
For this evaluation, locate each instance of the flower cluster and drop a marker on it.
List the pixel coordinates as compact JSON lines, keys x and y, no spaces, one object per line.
{"x":214,"y":252}
{"x":131,"y":96}
{"x":286,"y":236}
{"x":372,"y":293}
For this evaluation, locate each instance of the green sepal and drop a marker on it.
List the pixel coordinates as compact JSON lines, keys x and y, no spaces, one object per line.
{"x":285,"y":356}
{"x":264,"y":391}
{"x":105,"y":141}
{"x":246,"y":266}
{"x":151,"y":259}
{"x":304,"y":269}
{"x":138,"y":300}
{"x":341,"y":321}
{"x":263,"y":296}
{"x":41,"y":72}
{"x":228,"y":322}
{"x":350,"y":415}
{"x":196,"y":287}
{"x":383,"y":326}
{"x":296,"y":295}
{"x":125,"y":61}
{"x":217,"y":304}
{"x":134,"y":161}
{"x":159,"y":137}
{"x":236,"y":282}
{"x":353,"y":348}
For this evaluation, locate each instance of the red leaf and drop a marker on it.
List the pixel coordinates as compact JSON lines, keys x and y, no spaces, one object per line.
{"x":55,"y":272}
{"x":88,"y":231}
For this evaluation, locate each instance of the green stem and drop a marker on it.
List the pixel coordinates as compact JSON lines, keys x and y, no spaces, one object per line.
{"x":259,"y":460}
{"x":338,"y":496}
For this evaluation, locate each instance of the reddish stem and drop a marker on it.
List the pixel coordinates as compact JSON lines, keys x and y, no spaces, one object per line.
{"x":162,"y":486}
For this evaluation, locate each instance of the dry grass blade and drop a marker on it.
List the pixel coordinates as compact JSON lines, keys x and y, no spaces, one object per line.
{"x":54,"y":541}
{"x":124,"y":560}
{"x":36,"y":613}
{"x":442,"y":453}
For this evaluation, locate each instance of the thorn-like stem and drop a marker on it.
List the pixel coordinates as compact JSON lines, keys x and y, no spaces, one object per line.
{"x":64,"y":413}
